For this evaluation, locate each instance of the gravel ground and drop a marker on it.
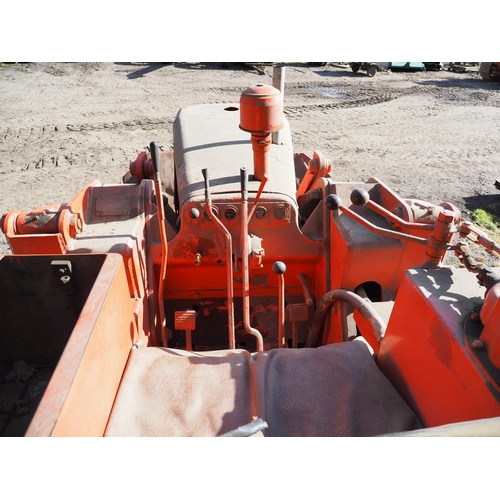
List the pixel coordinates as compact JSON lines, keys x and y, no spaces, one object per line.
{"x":433,"y":136}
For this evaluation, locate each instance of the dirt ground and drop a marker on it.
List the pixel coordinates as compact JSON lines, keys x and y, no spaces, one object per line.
{"x":433,"y":136}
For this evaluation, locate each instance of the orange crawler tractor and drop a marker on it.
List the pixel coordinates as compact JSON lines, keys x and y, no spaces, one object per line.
{"x":253,"y":294}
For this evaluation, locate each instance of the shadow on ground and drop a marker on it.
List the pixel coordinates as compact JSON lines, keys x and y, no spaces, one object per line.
{"x":140,"y":69}
{"x":460,"y":83}
{"x":488,"y":202}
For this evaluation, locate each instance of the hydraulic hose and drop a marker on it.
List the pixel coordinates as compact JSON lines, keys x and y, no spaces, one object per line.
{"x":364,"y":307}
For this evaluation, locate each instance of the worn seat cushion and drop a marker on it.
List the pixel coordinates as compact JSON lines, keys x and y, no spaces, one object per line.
{"x":334,"y":390}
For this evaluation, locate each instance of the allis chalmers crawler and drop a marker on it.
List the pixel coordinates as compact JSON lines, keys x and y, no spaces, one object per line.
{"x":253,"y":294}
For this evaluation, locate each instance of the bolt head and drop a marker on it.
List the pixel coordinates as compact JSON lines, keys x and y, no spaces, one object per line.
{"x":478,"y":345}
{"x":446,"y":216}
{"x":194,"y":213}
{"x":75,"y":225}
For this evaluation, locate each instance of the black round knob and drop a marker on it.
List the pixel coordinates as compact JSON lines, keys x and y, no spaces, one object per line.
{"x":333,"y":202}
{"x":279,"y":267}
{"x":360,"y":197}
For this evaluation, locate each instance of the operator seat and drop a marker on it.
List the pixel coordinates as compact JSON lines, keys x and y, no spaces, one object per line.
{"x":334,"y":390}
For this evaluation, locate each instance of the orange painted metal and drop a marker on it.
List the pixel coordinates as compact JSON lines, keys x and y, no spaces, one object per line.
{"x":296,"y":313}
{"x":229,"y":271}
{"x":142,"y":167}
{"x":62,"y":223}
{"x":81,"y":392}
{"x":442,"y":234}
{"x":317,"y":168}
{"x":490,"y":317}
{"x":155,"y":161}
{"x":220,"y":258}
{"x":281,"y":303}
{"x":43,"y":220}
{"x":425,"y":355}
{"x":261,"y":114}
{"x":261,"y":109}
{"x":307,"y":293}
{"x":467,"y":228}
{"x":245,"y":251}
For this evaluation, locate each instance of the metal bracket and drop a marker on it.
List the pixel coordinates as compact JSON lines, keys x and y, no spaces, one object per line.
{"x":63,"y":270}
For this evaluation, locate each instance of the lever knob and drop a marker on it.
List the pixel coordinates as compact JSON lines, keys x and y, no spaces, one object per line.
{"x":155,"y":156}
{"x":360,"y":197}
{"x":279,"y":267}
{"x":333,"y":202}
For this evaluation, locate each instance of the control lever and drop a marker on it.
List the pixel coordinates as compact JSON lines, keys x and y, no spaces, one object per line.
{"x":244,"y":260}
{"x":229,"y":258}
{"x":361,"y":197}
{"x":155,"y":160}
{"x":481,"y":237}
{"x":437,"y":244}
{"x":279,"y":268}
{"x":334,"y":202}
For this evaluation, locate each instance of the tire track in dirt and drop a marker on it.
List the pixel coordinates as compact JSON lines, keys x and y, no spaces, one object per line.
{"x":370,"y":97}
{"x":96,"y":124}
{"x":49,"y":146}
{"x":34,"y":133}
{"x":144,"y":124}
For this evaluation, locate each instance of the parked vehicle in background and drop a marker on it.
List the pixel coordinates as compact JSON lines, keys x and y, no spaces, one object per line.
{"x":490,"y":71}
{"x":407,"y":66}
{"x":371,"y":68}
{"x":463,"y":67}
{"x":433,"y":66}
